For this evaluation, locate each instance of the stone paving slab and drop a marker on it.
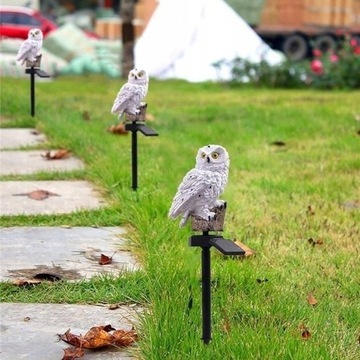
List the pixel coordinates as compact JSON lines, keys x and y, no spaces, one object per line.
{"x":29,"y":331}
{"x":71,"y":253}
{"x":33,"y":161}
{"x":69,"y":196}
{"x":16,"y":138}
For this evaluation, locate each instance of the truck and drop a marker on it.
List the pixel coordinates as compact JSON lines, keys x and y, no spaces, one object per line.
{"x":296,"y":27}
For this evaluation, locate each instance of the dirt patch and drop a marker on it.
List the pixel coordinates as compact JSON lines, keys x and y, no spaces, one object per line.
{"x":54,"y":270}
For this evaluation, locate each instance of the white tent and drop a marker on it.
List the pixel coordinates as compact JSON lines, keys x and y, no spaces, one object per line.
{"x":185,"y":37}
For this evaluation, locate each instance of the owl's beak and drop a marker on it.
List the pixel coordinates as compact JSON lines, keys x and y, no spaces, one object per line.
{"x":208,"y":159}
{"x":135,"y":77}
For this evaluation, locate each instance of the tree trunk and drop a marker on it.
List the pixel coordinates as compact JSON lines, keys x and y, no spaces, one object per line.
{"x":128,"y":35}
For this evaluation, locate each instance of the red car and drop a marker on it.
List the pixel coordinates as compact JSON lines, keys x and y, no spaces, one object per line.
{"x":16,"y":21}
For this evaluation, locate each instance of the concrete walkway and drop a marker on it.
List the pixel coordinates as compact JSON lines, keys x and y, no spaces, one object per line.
{"x":70,"y":253}
{"x":62,"y":197}
{"x":18,"y":138}
{"x":29,"y":331}
{"x":33,"y":161}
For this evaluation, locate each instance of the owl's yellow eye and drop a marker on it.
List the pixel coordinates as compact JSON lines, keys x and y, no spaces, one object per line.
{"x":141,"y":73}
{"x":203,"y":155}
{"x":215,"y":155}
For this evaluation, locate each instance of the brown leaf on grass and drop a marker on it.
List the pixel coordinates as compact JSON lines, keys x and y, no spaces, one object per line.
{"x":38,"y":194}
{"x":86,"y":115}
{"x":248,"y":251}
{"x":310,"y":210}
{"x":305,"y":333}
{"x":118,"y":129}
{"x":105,"y":260}
{"x":25,"y":282}
{"x":71,"y":353}
{"x":313,"y":242}
{"x":58,"y":155}
{"x":311,"y":300}
{"x":278,"y":143}
{"x":100,"y":336}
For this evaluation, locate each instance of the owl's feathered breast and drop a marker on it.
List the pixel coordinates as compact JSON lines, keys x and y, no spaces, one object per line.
{"x":28,"y":47}
{"x":198,"y":188}
{"x":130,"y":93}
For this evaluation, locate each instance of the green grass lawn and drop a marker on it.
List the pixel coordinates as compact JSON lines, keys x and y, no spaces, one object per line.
{"x":278,"y":198}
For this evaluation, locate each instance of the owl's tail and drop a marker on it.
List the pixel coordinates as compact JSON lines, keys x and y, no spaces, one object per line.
{"x":184,"y":219}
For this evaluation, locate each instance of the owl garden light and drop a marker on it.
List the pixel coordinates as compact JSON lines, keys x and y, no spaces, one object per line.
{"x":128,"y":102}
{"x":197,"y":199}
{"x":30,"y":54}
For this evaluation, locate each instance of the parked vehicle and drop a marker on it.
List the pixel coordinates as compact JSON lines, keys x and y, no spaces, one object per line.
{"x":16,"y":21}
{"x":298,"y":26}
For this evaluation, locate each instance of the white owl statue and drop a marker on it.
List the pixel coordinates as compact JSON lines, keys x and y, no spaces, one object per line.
{"x":199,"y":191}
{"x":131,"y":93}
{"x":31,"y":47}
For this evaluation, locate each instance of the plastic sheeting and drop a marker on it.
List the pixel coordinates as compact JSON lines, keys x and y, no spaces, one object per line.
{"x":184,"y":38}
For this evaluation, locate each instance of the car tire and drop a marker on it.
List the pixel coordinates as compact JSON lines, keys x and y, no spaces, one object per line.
{"x":295,"y":47}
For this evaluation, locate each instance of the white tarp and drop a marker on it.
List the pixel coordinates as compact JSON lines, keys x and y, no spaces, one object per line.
{"x":185,"y":37}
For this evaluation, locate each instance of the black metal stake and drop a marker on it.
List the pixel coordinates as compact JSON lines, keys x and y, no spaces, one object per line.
{"x":134,"y":127}
{"x":134,"y":161}
{"x":32,"y":71}
{"x":226,"y":247}
{"x":206,"y":294}
{"x":32,"y":93}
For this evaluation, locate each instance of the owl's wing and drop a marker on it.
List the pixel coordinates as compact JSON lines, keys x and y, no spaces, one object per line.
{"x":191,"y":187}
{"x":25,"y":47}
{"x":127,"y":94}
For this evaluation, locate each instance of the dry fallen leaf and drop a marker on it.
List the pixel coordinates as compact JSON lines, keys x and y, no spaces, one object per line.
{"x":86,"y":115}
{"x":311,"y":300}
{"x":73,"y":353}
{"x":100,"y":336}
{"x":58,"y":155}
{"x":248,"y":251}
{"x":25,"y":282}
{"x":72,"y":339}
{"x":278,"y":143}
{"x":105,"y":260}
{"x":305,"y":333}
{"x":118,"y":129}
{"x":310,"y":210}
{"x":124,"y":338}
{"x":114,"y":306}
{"x":313,"y":242}
{"x":38,"y":194}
